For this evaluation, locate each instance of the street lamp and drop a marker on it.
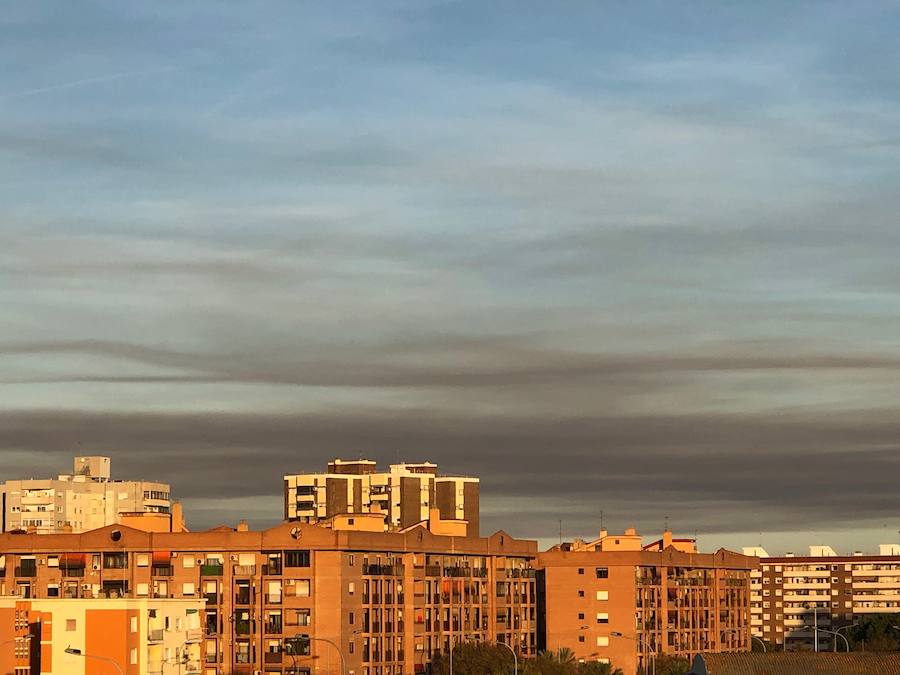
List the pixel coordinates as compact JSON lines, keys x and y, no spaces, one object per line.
{"x":640,"y":645}
{"x":740,"y":630}
{"x":515,"y":658}
{"x":333,"y":644}
{"x":834,"y":632}
{"x":16,"y":639}
{"x":78,"y":652}
{"x":838,"y":631}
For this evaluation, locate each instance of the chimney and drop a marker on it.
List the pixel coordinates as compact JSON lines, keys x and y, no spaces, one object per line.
{"x":242,"y":526}
{"x":667,"y":539}
{"x":176,"y":519}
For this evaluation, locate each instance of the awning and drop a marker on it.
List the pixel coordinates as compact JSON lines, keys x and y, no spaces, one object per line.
{"x":162,"y":558}
{"x":73,"y":560}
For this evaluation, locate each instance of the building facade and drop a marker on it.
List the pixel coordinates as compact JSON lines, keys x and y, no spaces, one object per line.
{"x":616,"y":601}
{"x":387,"y":602}
{"x":791,"y":595}
{"x":141,"y":636}
{"x":86,"y":499}
{"x":405,"y":494}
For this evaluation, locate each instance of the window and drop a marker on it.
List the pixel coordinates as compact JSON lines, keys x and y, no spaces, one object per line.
{"x":133,"y":624}
{"x":132,"y":656}
{"x":115,"y":561}
{"x":602,"y":617}
{"x":70,"y":624}
{"x":296,"y":558}
{"x":602,"y":572}
{"x":187,"y":589}
{"x":580,"y":570}
{"x":602,"y":641}
{"x":143,"y":589}
{"x":603,"y":595}
{"x":142,"y":559}
{"x":351,"y":588}
{"x":581,"y":616}
{"x":187,"y":562}
{"x":581,"y":638}
{"x":580,"y":594}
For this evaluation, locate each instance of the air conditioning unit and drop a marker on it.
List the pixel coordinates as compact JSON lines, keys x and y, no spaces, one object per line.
{"x":95,"y":567}
{"x":199,"y":561}
{"x":233,"y":557}
{"x":174,"y":554}
{"x":291,"y":582}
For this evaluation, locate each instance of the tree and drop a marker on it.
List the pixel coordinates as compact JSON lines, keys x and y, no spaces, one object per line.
{"x":757,"y":647}
{"x":597,"y":668}
{"x":669,"y":665}
{"x":475,"y":658}
{"x":875,"y":633}
{"x":563,"y":662}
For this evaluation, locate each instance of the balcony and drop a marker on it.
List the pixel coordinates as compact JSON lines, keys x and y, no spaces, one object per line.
{"x":26,"y":571}
{"x":166,"y":571}
{"x":211,"y":570}
{"x":272,"y":657}
{"x":155,"y":635}
{"x":244,"y":570}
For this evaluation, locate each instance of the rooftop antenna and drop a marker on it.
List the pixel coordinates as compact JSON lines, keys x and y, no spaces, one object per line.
{"x":666,"y":524}
{"x":601,"y":519}
{"x":560,"y":532}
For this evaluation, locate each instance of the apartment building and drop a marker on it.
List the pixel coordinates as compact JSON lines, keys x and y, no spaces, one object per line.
{"x":791,"y":595}
{"x":405,"y":494}
{"x":298,"y":598}
{"x":140,"y":636}
{"x":615,"y":600}
{"x":83,"y":500}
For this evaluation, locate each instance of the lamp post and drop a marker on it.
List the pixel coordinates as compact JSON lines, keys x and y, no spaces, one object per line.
{"x":78,"y":652}
{"x":333,"y":644}
{"x":752,"y":637}
{"x":515,"y":658}
{"x":838,"y":631}
{"x":834,"y":632}
{"x":640,"y":645}
{"x":29,"y":636}
{"x":815,"y":626}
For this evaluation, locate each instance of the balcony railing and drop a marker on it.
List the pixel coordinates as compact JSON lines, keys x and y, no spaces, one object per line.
{"x":211,"y":570}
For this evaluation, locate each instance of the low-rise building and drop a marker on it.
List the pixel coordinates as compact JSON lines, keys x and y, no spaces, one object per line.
{"x":791,"y":595}
{"x":385,"y":602}
{"x":83,"y":500}
{"x":76,"y":636}
{"x":404,"y":495}
{"x":617,"y":601}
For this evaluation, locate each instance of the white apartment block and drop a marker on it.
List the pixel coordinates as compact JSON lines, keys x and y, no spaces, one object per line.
{"x":86,"y":499}
{"x":791,"y":595}
{"x":405,"y":494}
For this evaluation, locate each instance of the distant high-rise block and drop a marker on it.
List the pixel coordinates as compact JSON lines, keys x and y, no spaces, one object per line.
{"x":86,"y":499}
{"x":790,"y":595}
{"x":404,"y":495}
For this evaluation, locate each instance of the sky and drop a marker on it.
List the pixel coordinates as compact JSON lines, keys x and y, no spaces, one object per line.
{"x":630,"y":258}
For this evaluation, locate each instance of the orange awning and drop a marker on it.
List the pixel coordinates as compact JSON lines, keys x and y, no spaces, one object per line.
{"x":70,"y":560}
{"x":162,"y":558}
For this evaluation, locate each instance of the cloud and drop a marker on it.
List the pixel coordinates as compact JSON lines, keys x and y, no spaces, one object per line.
{"x":766,"y":466}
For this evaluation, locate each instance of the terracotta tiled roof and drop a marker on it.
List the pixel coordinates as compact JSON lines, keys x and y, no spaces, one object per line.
{"x":800,"y":663}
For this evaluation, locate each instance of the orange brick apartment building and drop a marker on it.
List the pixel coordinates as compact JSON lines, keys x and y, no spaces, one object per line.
{"x":616,"y":601}
{"x":389,"y":600}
